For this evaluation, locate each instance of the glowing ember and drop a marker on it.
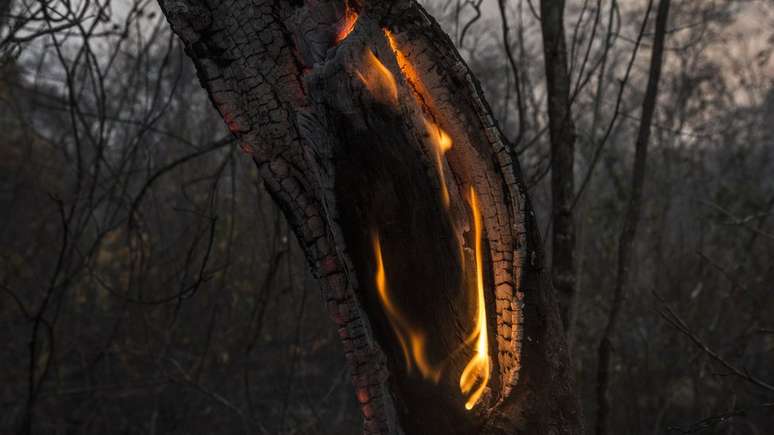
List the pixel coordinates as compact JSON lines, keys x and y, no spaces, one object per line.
{"x":378,"y":79}
{"x":408,"y":70}
{"x":346,"y":25}
{"x":412,"y":341}
{"x":476,"y":373}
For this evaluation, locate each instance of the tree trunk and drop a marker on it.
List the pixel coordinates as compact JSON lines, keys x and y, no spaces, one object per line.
{"x":631,"y":220}
{"x":562,"y":132}
{"x":373,"y":137}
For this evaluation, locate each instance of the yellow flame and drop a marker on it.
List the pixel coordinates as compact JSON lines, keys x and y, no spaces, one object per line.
{"x":393,"y":315}
{"x":441,"y":140}
{"x":443,"y":143}
{"x":412,"y":341}
{"x":378,"y":79}
{"x":476,"y":373}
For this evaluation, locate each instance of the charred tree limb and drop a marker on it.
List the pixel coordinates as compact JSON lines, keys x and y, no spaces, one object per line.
{"x":373,"y":137}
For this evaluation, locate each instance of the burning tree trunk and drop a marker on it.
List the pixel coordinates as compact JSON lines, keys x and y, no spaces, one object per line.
{"x":373,"y":137}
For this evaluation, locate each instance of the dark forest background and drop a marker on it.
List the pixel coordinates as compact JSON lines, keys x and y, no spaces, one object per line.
{"x":149,"y":285}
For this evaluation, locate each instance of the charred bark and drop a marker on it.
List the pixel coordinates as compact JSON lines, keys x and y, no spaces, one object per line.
{"x":373,"y":137}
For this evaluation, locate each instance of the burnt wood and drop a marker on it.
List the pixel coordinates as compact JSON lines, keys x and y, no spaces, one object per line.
{"x":347,"y":153}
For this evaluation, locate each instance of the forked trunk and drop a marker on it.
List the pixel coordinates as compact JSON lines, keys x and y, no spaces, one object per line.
{"x":375,"y":140}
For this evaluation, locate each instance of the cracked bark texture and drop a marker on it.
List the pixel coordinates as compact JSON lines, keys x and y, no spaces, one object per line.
{"x":347,"y":153}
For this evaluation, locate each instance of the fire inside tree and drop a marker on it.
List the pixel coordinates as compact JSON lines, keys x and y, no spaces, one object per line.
{"x":413,"y":341}
{"x":373,"y":136}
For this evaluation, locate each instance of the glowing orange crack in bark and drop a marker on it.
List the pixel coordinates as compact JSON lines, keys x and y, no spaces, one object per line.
{"x":409,"y":72}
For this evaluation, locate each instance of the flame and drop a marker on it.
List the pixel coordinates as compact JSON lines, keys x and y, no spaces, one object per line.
{"x":475,"y":376}
{"x":378,"y":79}
{"x":476,"y":373}
{"x":443,"y":143}
{"x":412,"y":341}
{"x":346,"y":25}
{"x":441,"y":140}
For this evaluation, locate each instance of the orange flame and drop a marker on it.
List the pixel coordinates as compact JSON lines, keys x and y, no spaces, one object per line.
{"x":476,"y":373}
{"x":378,"y":79}
{"x":346,"y":25}
{"x":441,"y":140}
{"x":443,"y":143}
{"x":475,"y":376}
{"x":412,"y":341}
